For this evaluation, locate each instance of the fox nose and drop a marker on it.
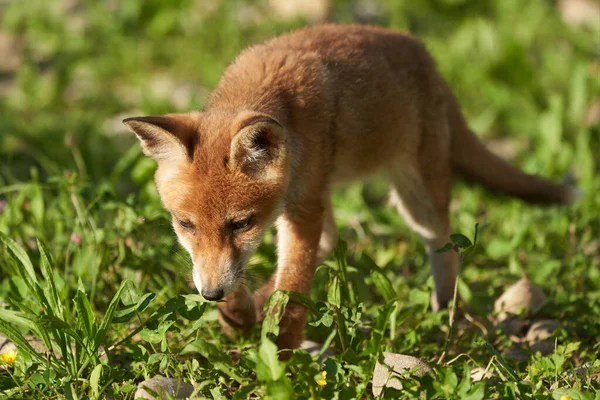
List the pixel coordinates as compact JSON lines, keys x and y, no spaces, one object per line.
{"x":212,"y":295}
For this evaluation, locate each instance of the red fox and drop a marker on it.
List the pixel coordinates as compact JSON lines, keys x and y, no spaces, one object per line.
{"x":290,"y":119}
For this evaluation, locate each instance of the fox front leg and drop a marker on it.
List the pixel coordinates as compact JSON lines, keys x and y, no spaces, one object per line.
{"x":298,"y":245}
{"x":327,"y":242}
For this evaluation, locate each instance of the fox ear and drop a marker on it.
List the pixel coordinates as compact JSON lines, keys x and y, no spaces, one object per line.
{"x":258,"y":145}
{"x":169,"y":137}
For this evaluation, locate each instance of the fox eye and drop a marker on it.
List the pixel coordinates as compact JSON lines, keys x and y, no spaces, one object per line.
{"x":187,"y":225}
{"x":241,"y":225}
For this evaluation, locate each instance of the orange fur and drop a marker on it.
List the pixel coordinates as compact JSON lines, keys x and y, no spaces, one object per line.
{"x":289,"y":119}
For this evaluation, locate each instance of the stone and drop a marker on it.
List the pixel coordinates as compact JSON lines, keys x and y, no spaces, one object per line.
{"x":517,"y":352}
{"x":479,"y":374}
{"x":538,"y":334}
{"x":314,"y":348}
{"x":512,"y":325}
{"x":523,"y":298}
{"x":544,"y":347}
{"x":165,"y":388}
{"x":541,"y":330}
{"x":583,"y":371}
{"x":394,"y":367}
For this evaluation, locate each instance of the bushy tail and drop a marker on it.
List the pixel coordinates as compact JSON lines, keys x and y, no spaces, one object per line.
{"x":477,"y":163}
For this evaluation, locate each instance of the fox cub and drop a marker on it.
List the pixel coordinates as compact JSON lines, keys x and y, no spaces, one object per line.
{"x":295,"y":116}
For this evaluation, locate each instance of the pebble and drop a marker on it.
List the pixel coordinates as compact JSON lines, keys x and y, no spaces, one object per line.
{"x":520,"y":300}
{"x":314,"y":348}
{"x":479,"y":374}
{"x":523,"y":296}
{"x":165,"y":388}
{"x":538,"y":335}
{"x":389,"y":374}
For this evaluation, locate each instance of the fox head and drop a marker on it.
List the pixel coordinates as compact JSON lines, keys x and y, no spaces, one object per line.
{"x":223,"y":178}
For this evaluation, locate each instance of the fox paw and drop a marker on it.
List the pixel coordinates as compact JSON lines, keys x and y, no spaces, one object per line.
{"x":291,"y":330}
{"x":237,"y":313}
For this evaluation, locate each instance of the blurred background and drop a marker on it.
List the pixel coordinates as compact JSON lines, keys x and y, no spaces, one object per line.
{"x":70,"y":70}
{"x":526,"y":74}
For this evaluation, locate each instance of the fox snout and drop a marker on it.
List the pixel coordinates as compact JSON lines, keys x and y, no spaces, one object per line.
{"x":213,"y":295}
{"x":215,"y":280}
{"x":211,"y":291}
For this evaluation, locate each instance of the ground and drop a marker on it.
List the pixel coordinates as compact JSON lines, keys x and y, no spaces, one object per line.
{"x":91,"y":268}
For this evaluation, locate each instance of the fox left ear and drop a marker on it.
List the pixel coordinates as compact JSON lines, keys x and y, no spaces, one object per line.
{"x":169,"y":137}
{"x":258,"y":146}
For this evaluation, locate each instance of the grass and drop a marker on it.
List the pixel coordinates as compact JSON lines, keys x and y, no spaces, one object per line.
{"x":91,"y":268}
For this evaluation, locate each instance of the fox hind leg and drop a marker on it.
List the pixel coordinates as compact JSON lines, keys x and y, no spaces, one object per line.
{"x":422,"y":200}
{"x":328,"y":238}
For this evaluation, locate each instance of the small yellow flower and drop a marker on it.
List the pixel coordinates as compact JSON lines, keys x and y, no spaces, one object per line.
{"x":322,"y":382}
{"x":565,"y":397}
{"x":9,"y":357}
{"x":533,"y":369}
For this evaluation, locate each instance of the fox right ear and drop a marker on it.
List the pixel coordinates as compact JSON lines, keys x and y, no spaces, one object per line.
{"x":258,"y":146}
{"x":164,"y":138}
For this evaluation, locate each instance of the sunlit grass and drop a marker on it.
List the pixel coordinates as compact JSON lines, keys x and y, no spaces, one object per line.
{"x":90,"y":267}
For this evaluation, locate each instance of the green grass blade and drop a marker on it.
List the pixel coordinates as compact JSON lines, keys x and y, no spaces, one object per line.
{"x":63,"y":329}
{"x":95,"y":381}
{"x":342,"y":267}
{"x":21,"y":256}
{"x":48,"y":273}
{"x":85,"y":315}
{"x":511,"y":372}
{"x":110,"y":312}
{"x":24,"y":320}
{"x":170,"y":307}
{"x":383,"y":284}
{"x":22,"y":344}
{"x":334,"y":293}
